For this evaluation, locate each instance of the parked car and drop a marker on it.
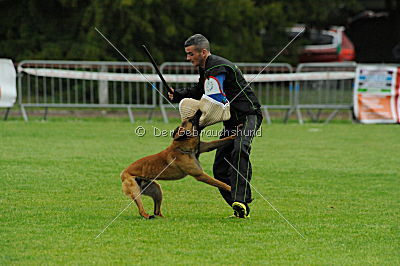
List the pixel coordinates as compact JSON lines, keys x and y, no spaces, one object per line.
{"x":324,"y":45}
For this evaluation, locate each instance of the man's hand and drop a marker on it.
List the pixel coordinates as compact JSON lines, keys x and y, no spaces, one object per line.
{"x":171,"y":95}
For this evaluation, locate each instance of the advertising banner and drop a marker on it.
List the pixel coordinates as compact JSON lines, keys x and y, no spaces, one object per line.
{"x":8,"y":89}
{"x":376,"y":94}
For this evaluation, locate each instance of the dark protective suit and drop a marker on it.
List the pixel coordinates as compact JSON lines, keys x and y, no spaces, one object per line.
{"x":245,"y":110}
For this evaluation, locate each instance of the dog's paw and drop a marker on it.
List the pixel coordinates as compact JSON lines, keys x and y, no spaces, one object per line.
{"x":147,"y":217}
{"x":232,"y":137}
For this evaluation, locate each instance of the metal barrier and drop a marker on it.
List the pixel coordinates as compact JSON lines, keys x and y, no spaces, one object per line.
{"x":273,"y":94}
{"x":81,"y":84}
{"x":84,"y":84}
{"x":328,"y":92}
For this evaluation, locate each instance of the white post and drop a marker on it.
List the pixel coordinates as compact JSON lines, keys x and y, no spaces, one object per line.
{"x":103,"y":88}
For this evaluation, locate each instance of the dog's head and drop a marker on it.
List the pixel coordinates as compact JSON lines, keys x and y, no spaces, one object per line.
{"x":188,"y":129}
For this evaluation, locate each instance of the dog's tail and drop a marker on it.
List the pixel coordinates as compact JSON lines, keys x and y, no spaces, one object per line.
{"x":124,"y":175}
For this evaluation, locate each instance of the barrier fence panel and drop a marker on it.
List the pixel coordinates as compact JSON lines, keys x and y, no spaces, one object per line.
{"x":273,"y":93}
{"x":333,"y":90}
{"x":84,"y":84}
{"x":314,"y":86}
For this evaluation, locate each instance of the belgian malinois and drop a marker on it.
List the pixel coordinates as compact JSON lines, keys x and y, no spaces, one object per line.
{"x":175,"y":162}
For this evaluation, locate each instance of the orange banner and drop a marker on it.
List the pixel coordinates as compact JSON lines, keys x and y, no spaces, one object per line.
{"x":376,"y":94}
{"x":375,"y":107}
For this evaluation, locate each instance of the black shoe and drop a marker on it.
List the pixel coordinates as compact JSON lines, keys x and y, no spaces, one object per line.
{"x":240,"y":210}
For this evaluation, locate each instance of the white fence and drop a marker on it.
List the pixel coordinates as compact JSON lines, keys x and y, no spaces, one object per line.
{"x":332,"y":90}
{"x":81,"y":84}
{"x":8,"y":87}
{"x":84,"y":84}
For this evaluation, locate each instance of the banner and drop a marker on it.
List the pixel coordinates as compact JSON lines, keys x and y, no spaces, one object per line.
{"x":183,"y":78}
{"x":8,"y":89}
{"x":376,"y":94}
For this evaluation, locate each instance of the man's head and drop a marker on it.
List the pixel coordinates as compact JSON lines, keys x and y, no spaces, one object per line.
{"x":197,"y":50}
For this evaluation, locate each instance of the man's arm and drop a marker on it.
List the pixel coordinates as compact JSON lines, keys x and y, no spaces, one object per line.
{"x":180,"y":93}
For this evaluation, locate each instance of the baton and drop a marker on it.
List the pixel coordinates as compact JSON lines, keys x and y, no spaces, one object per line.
{"x":157,"y":70}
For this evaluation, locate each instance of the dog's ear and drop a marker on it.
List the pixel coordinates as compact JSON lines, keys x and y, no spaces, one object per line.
{"x":180,"y":133}
{"x":174,"y":133}
{"x":198,"y":114}
{"x":196,"y":117}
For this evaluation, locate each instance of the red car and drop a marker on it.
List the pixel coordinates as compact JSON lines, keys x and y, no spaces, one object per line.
{"x":326,"y":46}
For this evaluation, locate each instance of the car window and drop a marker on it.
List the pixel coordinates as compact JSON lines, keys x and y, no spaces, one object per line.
{"x":317,"y":38}
{"x":314,"y":37}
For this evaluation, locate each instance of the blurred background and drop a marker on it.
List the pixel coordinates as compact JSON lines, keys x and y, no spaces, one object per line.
{"x":241,"y":30}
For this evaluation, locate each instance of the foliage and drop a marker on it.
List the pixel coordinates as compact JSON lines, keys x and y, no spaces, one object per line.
{"x":241,"y":30}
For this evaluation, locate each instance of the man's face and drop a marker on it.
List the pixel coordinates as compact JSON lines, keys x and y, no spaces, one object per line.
{"x":196,"y":57}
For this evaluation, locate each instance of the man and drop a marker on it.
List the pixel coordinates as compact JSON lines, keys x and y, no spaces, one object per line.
{"x":245,"y":120}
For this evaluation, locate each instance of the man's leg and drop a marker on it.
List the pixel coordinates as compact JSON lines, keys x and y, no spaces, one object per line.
{"x":240,"y":179}
{"x":222,"y":170}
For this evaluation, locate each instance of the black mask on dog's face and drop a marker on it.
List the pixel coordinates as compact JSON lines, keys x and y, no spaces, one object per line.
{"x":181,"y":133}
{"x":195,"y":120}
{"x":186,"y":130}
{"x":178,"y":134}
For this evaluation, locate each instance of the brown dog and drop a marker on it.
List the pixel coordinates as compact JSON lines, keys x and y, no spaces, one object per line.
{"x":175,"y":162}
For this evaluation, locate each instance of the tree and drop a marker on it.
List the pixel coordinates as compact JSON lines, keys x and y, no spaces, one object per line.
{"x":241,"y":30}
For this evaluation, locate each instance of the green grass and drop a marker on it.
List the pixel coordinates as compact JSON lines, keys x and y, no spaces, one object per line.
{"x":338,"y":184}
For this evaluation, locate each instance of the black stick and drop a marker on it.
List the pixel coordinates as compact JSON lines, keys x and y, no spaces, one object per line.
{"x":158,"y":71}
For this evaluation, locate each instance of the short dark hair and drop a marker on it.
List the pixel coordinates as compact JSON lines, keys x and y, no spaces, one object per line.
{"x":199,"y":41}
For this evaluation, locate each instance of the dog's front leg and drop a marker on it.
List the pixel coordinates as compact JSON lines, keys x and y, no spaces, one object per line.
{"x":203,"y":177}
{"x":212,"y":145}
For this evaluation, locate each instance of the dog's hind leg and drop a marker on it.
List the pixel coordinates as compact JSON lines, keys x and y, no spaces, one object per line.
{"x":132,"y":190}
{"x":153,"y":190}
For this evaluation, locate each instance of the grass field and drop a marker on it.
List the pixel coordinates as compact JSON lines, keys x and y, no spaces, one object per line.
{"x":338,"y":184}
